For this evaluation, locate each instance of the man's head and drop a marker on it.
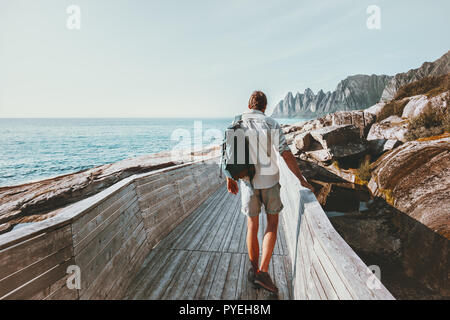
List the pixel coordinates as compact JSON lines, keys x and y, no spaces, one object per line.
{"x":258,"y":101}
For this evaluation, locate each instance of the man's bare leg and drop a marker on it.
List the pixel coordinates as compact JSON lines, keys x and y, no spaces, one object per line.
{"x":252,"y":241}
{"x":270,"y":237}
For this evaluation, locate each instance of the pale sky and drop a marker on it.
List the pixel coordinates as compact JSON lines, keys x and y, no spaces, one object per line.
{"x":143,"y":58}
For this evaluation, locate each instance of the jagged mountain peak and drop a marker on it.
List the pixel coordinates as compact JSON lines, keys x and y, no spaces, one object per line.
{"x":355,"y":92}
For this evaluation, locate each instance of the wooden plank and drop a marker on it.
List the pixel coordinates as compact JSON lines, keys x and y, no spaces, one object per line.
{"x":100,"y":266}
{"x":288,"y":272}
{"x":243,"y":238}
{"x":112,"y":272}
{"x":215,"y":217}
{"x":311,"y":289}
{"x":152,"y":273}
{"x":321,"y":276}
{"x":132,"y":263}
{"x":164,"y":278}
{"x":107,"y":203}
{"x":236,"y":218}
{"x":327,"y":255}
{"x":282,"y":238}
{"x":213,"y":238}
{"x":32,"y":271}
{"x":63,"y":293}
{"x":178,"y":283}
{"x":299,"y":275}
{"x":143,"y":190}
{"x":153,"y":216}
{"x":94,"y":267}
{"x":169,"y":221}
{"x":140,"y":277}
{"x":201,"y":231}
{"x":36,"y":285}
{"x":338,"y":285}
{"x":196,"y":277}
{"x":243,"y":278}
{"x":94,"y":240}
{"x":196,"y":218}
{"x":220,"y":276}
{"x":249,"y":290}
{"x":280,"y":278}
{"x":207,"y":280}
{"x":225,"y":228}
{"x":52,"y":288}
{"x":58,"y":291}
{"x":157,"y":196}
{"x":240,"y":227}
{"x":308,"y":247}
{"x":21,"y":255}
{"x":103,"y":218}
{"x":230,"y":289}
{"x":87,"y":251}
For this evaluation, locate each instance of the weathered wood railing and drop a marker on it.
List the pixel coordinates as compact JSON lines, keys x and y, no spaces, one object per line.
{"x":107,"y":235}
{"x":323,"y":264}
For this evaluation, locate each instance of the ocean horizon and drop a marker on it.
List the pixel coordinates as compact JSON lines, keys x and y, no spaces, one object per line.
{"x":39,"y":148}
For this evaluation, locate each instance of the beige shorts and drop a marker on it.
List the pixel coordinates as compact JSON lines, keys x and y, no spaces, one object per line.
{"x":253,"y":199}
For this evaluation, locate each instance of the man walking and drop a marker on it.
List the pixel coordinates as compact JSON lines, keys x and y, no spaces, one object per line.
{"x":264,"y":187}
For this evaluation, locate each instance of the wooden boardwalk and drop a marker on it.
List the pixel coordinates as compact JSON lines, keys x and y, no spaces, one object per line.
{"x":205,"y":257}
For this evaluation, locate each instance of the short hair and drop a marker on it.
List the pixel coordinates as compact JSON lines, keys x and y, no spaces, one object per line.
{"x":257,"y":100}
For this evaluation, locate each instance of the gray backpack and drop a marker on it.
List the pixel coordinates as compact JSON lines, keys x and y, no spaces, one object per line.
{"x":230,"y":153}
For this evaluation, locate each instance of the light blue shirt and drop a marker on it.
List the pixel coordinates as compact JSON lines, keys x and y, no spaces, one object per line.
{"x":269,"y":140}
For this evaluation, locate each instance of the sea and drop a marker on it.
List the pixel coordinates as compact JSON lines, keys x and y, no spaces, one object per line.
{"x":35,"y":149}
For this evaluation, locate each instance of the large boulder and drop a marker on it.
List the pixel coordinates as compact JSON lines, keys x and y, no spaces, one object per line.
{"x":418,"y":105}
{"x":332,"y":142}
{"x":415,"y":178}
{"x":362,"y":120}
{"x":336,"y":135}
{"x":376,"y":109}
{"x":391,"y":128}
{"x":292,"y":131}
